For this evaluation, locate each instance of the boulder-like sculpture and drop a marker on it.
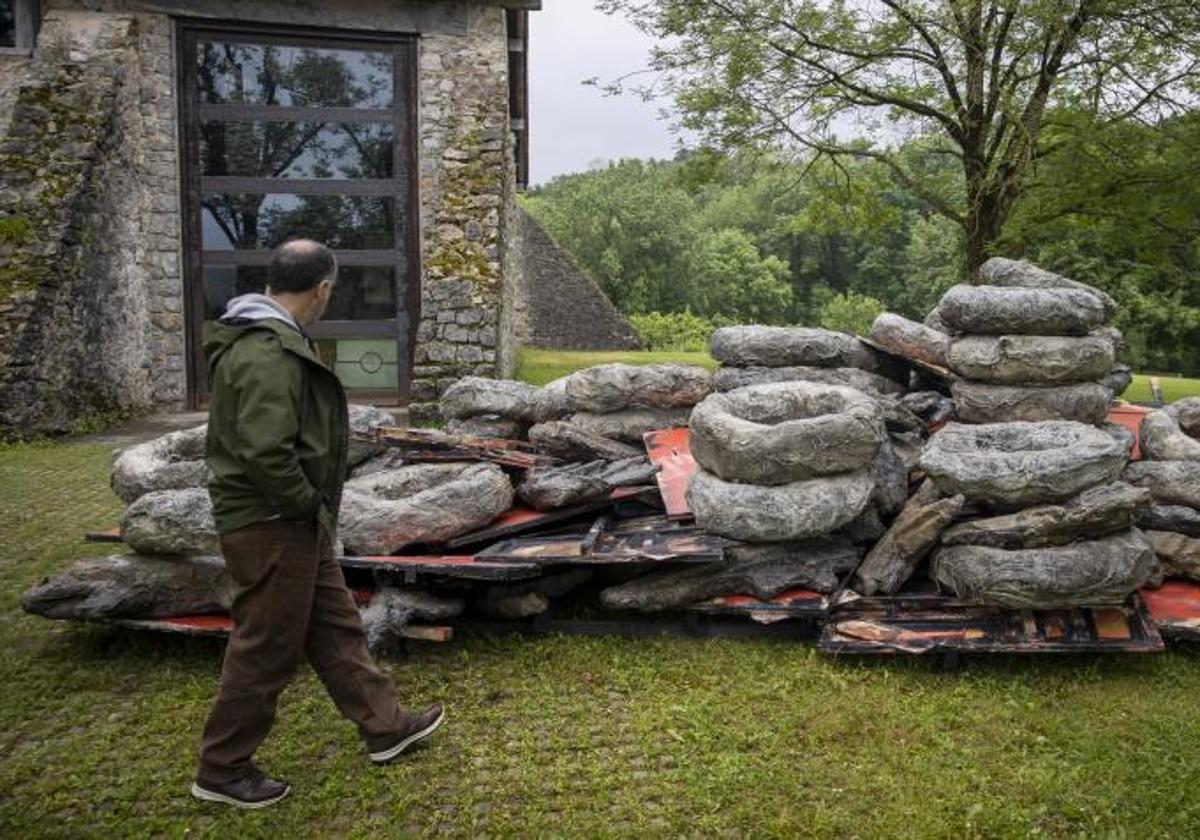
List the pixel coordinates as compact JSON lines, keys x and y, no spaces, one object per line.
{"x":909,"y":339}
{"x":488,"y":426}
{"x":891,"y":561}
{"x":1161,"y":439}
{"x":631,"y":424}
{"x":575,"y":443}
{"x":1084,"y":402}
{"x":731,"y":378}
{"x":515,"y":601}
{"x":365,"y":419}
{"x":171,"y":522}
{"x":1031,"y":359}
{"x":1014,"y":465}
{"x":1179,"y":554}
{"x":1093,"y":513}
{"x":891,"y":480}
{"x":391,"y":610}
{"x":1102,"y":571}
{"x":549,"y":488}
{"x":795,"y":511}
{"x":932,"y":408}
{"x":1118,"y":379}
{"x":1169,"y":482}
{"x":472,"y":396}
{"x":864,"y":529}
{"x":785,"y":432}
{"x":422,"y":503}
{"x":758,"y":346}
{"x":171,"y":462}
{"x":759,"y":570}
{"x":935,"y":322}
{"x":614,"y":387}
{"x":1186,"y":413}
{"x":1178,"y":518}
{"x":1004,"y":310}
{"x":133,"y":586}
{"x":1000,"y":271}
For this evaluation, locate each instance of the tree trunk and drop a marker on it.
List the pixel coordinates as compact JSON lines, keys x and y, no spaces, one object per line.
{"x":985,"y":218}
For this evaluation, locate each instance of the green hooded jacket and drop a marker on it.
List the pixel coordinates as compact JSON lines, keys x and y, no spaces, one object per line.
{"x":278,"y":428}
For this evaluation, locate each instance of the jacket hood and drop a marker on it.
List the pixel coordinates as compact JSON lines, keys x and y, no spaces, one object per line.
{"x":256,"y":307}
{"x":220,"y":335}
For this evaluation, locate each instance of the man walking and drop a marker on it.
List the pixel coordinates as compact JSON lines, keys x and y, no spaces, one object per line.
{"x":277,"y":441}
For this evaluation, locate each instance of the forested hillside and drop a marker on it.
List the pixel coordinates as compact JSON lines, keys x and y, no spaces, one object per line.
{"x":754,"y":237}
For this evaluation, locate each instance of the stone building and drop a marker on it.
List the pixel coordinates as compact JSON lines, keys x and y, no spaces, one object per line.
{"x":152,"y":152}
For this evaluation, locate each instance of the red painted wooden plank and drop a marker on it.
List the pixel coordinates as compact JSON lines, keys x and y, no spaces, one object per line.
{"x":671,"y":451}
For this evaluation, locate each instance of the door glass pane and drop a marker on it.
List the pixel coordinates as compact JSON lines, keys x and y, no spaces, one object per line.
{"x":292,"y":76}
{"x":252,"y":221}
{"x":362,"y":364}
{"x":8,"y":23}
{"x":296,"y":149}
{"x":362,"y":293}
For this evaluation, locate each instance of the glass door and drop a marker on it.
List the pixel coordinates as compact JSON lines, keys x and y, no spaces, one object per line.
{"x":305,"y":135}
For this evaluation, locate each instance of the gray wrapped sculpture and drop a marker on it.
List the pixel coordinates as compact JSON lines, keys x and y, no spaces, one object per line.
{"x":423,"y":503}
{"x":1178,"y":518}
{"x":549,"y":488}
{"x":906,"y":338}
{"x":630,"y":425}
{"x":1103,"y":571}
{"x":1169,"y":482}
{"x":391,"y":610}
{"x":793,"y":511}
{"x":488,"y":426}
{"x":613,"y":387}
{"x":1178,"y":553}
{"x":1014,"y":465}
{"x":1001,"y":310}
{"x":575,"y":443}
{"x":758,"y":346}
{"x":171,"y":522}
{"x":785,"y":432}
{"x":759,"y":570}
{"x":1000,"y":271}
{"x":473,"y":396}
{"x":172,"y":462}
{"x":1186,"y":413}
{"x":1031,"y":359}
{"x":731,"y":378}
{"x":891,"y":561}
{"x":1093,"y":513}
{"x":977,"y":402}
{"x":133,"y":586}
{"x":1161,"y":439}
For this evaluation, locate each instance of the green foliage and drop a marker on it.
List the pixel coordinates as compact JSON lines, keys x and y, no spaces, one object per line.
{"x":850,"y":312}
{"x":673,"y":331}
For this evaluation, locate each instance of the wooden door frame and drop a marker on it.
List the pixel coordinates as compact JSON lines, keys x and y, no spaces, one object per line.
{"x":405,"y":175}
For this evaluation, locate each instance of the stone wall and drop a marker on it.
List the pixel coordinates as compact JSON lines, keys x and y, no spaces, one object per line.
{"x":556,"y":304}
{"x":90,"y":295}
{"x":91,"y":315}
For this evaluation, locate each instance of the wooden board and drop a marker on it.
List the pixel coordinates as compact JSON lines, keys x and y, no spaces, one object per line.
{"x":924,"y":623}
{"x":671,"y":451}
{"x":522,"y":519}
{"x":1175,"y":608}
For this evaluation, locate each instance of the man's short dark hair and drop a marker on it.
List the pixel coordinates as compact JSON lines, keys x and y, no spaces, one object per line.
{"x":299,"y":265}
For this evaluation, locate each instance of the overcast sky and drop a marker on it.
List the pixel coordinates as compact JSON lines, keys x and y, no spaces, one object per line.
{"x":574,"y":126}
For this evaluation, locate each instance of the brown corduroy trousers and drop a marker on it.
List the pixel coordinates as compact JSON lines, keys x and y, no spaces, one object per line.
{"x":291,"y":602}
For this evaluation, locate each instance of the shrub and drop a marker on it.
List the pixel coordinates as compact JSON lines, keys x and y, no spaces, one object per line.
{"x":673,"y":331}
{"x":851,"y":312}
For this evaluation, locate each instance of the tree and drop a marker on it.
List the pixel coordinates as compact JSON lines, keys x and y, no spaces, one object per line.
{"x":851,"y":312}
{"x":978,"y":79}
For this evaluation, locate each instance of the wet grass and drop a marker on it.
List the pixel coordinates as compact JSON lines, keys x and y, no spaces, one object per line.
{"x":579,"y":737}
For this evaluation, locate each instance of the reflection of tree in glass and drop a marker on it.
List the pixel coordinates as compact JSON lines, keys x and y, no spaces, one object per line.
{"x":341,"y":221}
{"x":297,"y":77}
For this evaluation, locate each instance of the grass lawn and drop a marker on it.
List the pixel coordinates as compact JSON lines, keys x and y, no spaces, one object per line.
{"x":579,"y":737}
{"x":540,"y":366}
